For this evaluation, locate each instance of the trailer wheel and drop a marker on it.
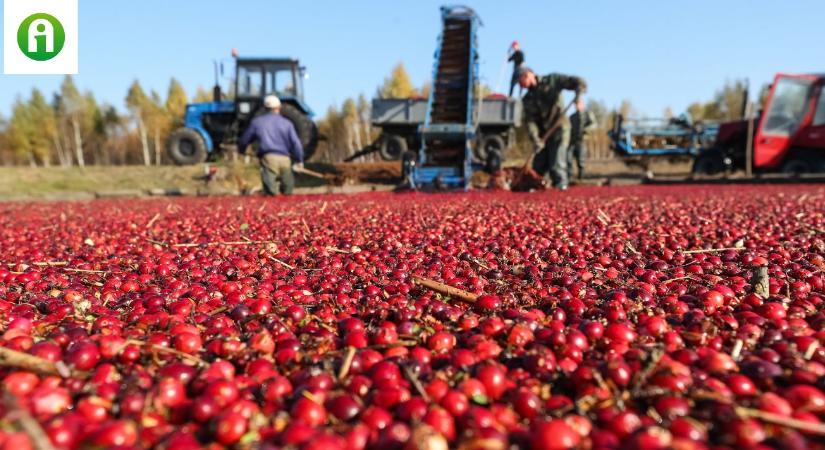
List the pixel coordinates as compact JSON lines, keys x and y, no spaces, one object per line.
{"x":489,"y":143}
{"x":493,"y":163}
{"x":392,"y":147}
{"x":711,"y":162}
{"x":186,"y":147}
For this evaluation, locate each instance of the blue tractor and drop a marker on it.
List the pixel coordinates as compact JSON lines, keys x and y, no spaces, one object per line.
{"x":210,"y":127}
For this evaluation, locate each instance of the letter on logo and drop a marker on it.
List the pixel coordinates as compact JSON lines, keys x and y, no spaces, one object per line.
{"x":38,"y":28}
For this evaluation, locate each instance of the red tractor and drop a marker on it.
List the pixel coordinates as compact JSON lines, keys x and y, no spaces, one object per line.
{"x":789,"y":134}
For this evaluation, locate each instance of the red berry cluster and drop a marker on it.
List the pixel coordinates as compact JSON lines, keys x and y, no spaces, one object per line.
{"x":616,"y":318}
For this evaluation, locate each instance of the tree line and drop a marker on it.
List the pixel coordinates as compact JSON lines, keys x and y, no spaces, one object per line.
{"x":71,"y":128}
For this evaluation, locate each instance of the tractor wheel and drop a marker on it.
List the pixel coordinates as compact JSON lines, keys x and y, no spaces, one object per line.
{"x":711,"y":162}
{"x":392,"y":147}
{"x":795,"y":166}
{"x":489,"y":143}
{"x":186,"y":147}
{"x":305,"y":128}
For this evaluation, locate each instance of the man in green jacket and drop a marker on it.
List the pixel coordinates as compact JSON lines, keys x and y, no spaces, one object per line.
{"x":582,"y":122}
{"x":543,"y":108}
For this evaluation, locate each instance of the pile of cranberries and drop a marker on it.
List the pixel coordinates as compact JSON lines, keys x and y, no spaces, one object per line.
{"x":687,"y":317}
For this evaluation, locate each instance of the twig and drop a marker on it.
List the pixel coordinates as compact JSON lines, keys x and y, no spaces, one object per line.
{"x":171,"y":351}
{"x":737,"y":349}
{"x":676,"y":279}
{"x":228,"y":243}
{"x":41,"y":264}
{"x":288,"y":266}
{"x":776,"y":419}
{"x":345,"y":366}
{"x":712,"y":250}
{"x":218,"y":310}
{"x":416,"y":383}
{"x":653,"y":362}
{"x":69,"y":269}
{"x":811,"y":350}
{"x":51,"y":263}
{"x":337,"y":250}
{"x":323,"y":208}
{"x":162,"y":244}
{"x":479,"y":263}
{"x":603,"y":217}
{"x":25,"y":361}
{"x":445,"y":289}
{"x":26,"y":423}
{"x":153,"y":220}
{"x":761,"y":283}
{"x":398,"y":343}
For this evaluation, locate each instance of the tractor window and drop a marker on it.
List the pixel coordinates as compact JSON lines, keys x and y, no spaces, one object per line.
{"x":787,"y":107}
{"x":250,"y":81}
{"x":819,"y":115}
{"x":280,"y":82}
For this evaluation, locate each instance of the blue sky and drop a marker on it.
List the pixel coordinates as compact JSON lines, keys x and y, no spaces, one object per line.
{"x":654,"y":53}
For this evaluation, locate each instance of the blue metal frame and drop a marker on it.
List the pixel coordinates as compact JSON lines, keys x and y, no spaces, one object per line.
{"x":623,"y":140}
{"x":450,"y":176}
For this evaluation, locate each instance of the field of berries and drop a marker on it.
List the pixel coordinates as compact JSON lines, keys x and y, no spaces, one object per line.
{"x":685,"y":317}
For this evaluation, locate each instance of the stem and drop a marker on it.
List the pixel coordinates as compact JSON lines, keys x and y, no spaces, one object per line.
{"x":26,"y":423}
{"x":416,"y":383}
{"x":25,"y":361}
{"x":153,"y":220}
{"x":711,"y":250}
{"x":171,"y":351}
{"x":445,"y":289}
{"x":776,"y":419}
{"x":347,"y":363}
{"x":230,"y":243}
{"x":288,"y":266}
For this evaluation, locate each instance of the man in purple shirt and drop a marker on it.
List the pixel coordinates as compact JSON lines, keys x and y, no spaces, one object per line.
{"x":278,"y":147}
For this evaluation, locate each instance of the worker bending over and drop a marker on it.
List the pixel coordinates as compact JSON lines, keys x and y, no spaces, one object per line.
{"x":544,"y":113}
{"x":279,"y":149}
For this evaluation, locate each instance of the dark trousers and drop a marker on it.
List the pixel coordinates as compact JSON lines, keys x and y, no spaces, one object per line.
{"x":276,"y":174}
{"x":577,"y":154}
{"x":514,"y":82}
{"x":552,"y":159}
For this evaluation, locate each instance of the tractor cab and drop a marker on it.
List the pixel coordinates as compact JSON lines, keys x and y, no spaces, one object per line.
{"x":791,"y":133}
{"x":256,"y":78}
{"x":210,"y":127}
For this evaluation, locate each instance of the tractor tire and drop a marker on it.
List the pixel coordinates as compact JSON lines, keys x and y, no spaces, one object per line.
{"x":186,"y":147}
{"x":487,"y":144}
{"x":305,"y":128}
{"x":392,"y":147}
{"x":797,"y":166}
{"x":711,"y":162}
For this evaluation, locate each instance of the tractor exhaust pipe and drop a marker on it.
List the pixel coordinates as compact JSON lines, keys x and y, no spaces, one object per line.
{"x":216,"y":91}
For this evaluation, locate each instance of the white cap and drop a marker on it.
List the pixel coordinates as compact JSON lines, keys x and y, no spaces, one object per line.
{"x":272,"y":102}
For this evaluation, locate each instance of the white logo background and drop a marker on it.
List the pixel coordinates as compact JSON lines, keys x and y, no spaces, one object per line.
{"x":14,"y":61}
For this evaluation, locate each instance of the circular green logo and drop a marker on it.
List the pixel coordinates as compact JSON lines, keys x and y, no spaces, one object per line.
{"x":41,"y":37}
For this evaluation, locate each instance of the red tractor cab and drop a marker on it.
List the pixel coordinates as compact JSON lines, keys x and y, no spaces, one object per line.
{"x":791,"y":133}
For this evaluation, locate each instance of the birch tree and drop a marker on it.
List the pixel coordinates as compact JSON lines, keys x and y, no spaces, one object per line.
{"x":137,"y":102}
